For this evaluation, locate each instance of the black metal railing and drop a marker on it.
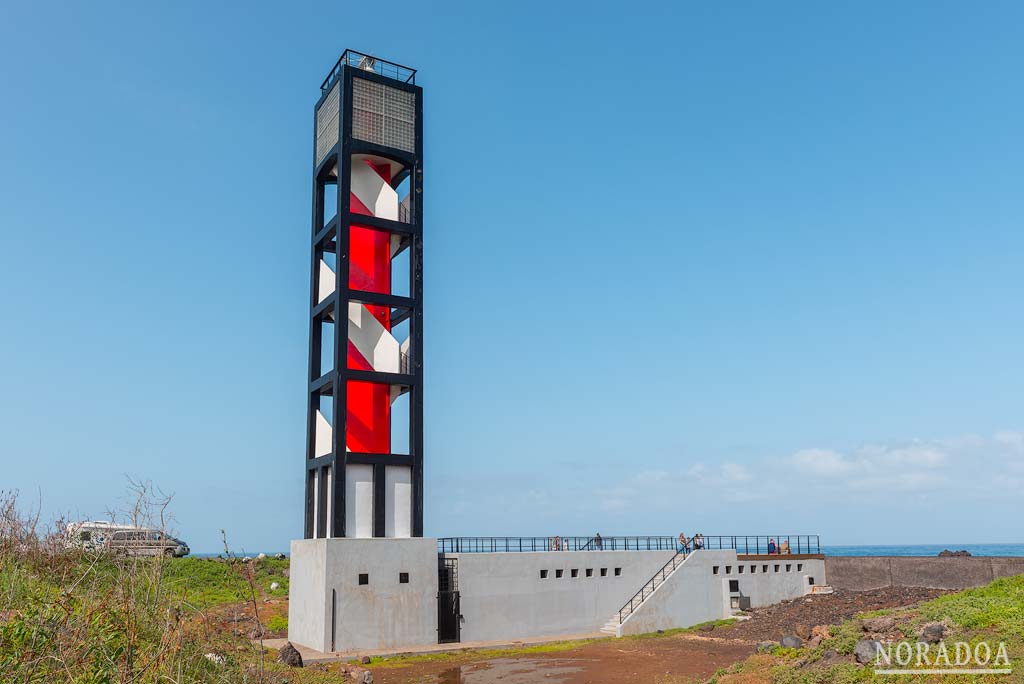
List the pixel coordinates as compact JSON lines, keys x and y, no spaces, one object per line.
{"x":366,"y":62}
{"x":742,"y":544}
{"x":557,"y":543}
{"x":651,"y":585}
{"x":758,"y":545}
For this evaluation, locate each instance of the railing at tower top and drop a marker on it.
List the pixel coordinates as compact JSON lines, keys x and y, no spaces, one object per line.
{"x":744,"y":545}
{"x":366,"y":62}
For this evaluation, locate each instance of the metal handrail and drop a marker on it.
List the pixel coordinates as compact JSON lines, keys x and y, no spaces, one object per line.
{"x":651,"y":585}
{"x":744,"y":545}
{"x":525,"y":544}
{"x":361,"y":60}
{"x":759,"y":545}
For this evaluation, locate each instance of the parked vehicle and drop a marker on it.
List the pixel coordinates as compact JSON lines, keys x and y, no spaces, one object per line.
{"x":124,"y":539}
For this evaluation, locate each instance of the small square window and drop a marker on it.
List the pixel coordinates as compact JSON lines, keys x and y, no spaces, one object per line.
{"x":714,"y":570}
{"x":764,"y":568}
{"x":734,"y":586}
{"x":558,"y":573}
{"x":753,"y":569}
{"x":604,"y":572}
{"x":575,"y":572}
{"x":789,"y":567}
{"x":728,"y":569}
{"x":543,"y":574}
{"x":364,"y":578}
{"x":799,"y":567}
{"x":776,"y":568}
{"x":403,"y":578}
{"x":740,"y":568}
{"x":590,"y":572}
{"x":618,"y":571}
{"x":810,"y":581}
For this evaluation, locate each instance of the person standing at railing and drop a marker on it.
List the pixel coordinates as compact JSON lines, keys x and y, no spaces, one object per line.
{"x":684,"y":543}
{"x":784,"y":547}
{"x":772,"y":549}
{"x":598,"y":541}
{"x":698,"y":541}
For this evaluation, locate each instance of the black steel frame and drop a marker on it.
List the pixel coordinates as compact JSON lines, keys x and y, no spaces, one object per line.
{"x":334,"y":237}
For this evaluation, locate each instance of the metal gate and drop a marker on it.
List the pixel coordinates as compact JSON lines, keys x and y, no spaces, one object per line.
{"x":448,"y":617}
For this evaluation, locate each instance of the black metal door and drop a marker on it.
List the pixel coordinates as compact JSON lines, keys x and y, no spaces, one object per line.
{"x":448,"y":617}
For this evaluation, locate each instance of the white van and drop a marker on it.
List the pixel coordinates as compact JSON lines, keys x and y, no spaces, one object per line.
{"x":125,"y":539}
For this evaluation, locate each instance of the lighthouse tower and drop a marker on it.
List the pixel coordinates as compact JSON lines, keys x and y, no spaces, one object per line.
{"x":364,"y":446}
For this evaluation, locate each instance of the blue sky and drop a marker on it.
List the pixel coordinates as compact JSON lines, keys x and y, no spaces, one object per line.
{"x":740,"y":269}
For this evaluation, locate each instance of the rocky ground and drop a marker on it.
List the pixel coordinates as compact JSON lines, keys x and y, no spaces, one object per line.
{"x":799,"y":616}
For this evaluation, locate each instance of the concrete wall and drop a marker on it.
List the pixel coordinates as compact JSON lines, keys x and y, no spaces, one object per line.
{"x":503,"y":596}
{"x":380,"y":614}
{"x":768,"y":580}
{"x":863,"y":573}
{"x":307,"y":608}
{"x":699,"y":590}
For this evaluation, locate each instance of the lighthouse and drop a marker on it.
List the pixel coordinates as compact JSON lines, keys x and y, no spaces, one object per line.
{"x":363,"y":464}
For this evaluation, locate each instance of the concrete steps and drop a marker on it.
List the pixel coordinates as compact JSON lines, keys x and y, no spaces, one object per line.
{"x":613,"y":626}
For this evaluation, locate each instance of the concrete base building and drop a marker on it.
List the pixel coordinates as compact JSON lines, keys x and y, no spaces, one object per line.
{"x":364,"y":578}
{"x":370,"y":594}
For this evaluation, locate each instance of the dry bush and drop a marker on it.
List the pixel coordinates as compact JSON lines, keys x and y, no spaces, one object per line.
{"x":81,"y":617}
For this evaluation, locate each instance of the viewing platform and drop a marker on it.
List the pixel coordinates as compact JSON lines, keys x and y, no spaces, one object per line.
{"x":752,"y":546}
{"x":366,"y":62}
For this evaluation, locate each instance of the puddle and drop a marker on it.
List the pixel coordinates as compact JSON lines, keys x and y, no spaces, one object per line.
{"x":509,"y":671}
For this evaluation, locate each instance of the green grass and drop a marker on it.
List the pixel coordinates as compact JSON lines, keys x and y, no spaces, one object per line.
{"x":277,"y":623}
{"x":481,"y":654}
{"x":997,"y":607}
{"x":719,"y":625}
{"x":200,"y":583}
{"x":204,"y":583}
{"x":991,"y":613}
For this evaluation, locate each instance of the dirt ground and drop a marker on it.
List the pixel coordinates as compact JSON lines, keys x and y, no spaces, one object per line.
{"x":668,"y":659}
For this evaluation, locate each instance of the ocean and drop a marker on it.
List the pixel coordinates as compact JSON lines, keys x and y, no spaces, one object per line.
{"x":924,"y":550}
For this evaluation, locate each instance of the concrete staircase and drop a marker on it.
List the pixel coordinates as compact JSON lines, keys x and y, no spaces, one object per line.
{"x":611,"y":628}
{"x":614,"y":626}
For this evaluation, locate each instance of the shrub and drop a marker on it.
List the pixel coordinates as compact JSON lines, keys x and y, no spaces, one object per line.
{"x":85,"y":618}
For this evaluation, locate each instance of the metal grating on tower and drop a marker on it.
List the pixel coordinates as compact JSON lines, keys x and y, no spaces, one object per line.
{"x":383,"y":115}
{"x":327,"y":123}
